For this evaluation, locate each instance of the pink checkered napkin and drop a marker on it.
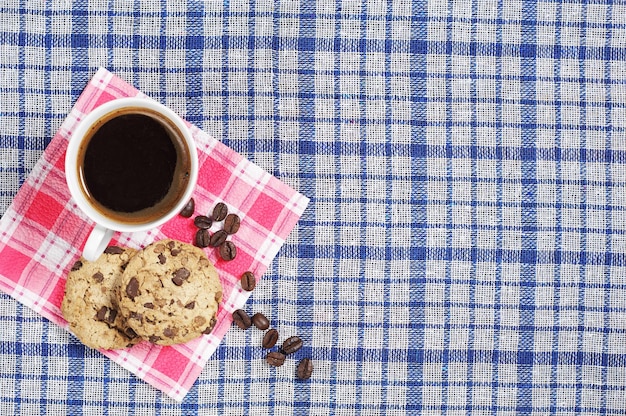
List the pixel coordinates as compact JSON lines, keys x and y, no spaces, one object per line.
{"x":43,"y":233}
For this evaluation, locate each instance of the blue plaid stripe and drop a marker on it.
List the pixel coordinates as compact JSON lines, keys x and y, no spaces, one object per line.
{"x":463,"y":250}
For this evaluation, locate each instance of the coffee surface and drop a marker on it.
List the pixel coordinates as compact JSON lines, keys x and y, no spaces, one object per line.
{"x":129,"y":163}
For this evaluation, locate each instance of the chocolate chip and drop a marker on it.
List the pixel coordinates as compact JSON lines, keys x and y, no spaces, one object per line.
{"x":203,"y":238}
{"x":248,"y":281}
{"x":114,"y":250}
{"x":132,"y":289}
{"x":77,"y":265}
{"x":148,"y":305}
{"x":101,"y":314}
{"x":170,"y":245}
{"x":231,"y":223}
{"x":188,"y":209}
{"x":130,"y":332}
{"x":153,"y":339}
{"x":209,"y":328}
{"x":170,"y":332}
{"x":292,"y":344}
{"x":124,"y":266}
{"x":260,"y":321}
{"x":199,"y":320}
{"x":218,"y":238}
{"x":270,"y":338}
{"x":112,"y":316}
{"x":228,"y":251}
{"x":183,"y":273}
{"x":304,"y":369}
{"x":180,"y":276}
{"x":135,"y":315}
{"x":190,"y":305}
{"x":162,"y":258}
{"x":275,"y":358}
{"x":220,"y":211}
{"x":98,"y":277}
{"x":241,"y":319}
{"x":203,"y":222}
{"x":175,"y":252}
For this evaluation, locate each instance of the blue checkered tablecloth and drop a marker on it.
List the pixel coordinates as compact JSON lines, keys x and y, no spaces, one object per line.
{"x":464,"y":251}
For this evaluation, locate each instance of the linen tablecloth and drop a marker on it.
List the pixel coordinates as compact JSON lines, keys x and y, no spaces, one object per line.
{"x":464,"y":250}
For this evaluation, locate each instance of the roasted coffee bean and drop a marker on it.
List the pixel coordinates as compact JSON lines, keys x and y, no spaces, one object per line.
{"x":241,"y":319}
{"x":98,"y":277}
{"x":188,"y":209}
{"x":270,"y":338}
{"x":203,"y":238}
{"x":220,"y":211}
{"x":260,"y":321}
{"x":132,"y":289}
{"x":77,"y":265}
{"x":113,"y":250}
{"x":275,"y":358}
{"x":231,"y":223}
{"x":248,"y":281}
{"x":218,"y":238}
{"x":304,"y":369}
{"x":292,"y":344}
{"x":180,"y":276}
{"x":202,"y":221}
{"x":228,"y":251}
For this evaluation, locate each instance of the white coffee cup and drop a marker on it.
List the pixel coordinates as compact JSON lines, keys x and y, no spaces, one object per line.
{"x":107,"y":221}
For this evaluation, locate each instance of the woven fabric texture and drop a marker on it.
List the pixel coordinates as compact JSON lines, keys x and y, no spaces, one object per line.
{"x":464,"y":248}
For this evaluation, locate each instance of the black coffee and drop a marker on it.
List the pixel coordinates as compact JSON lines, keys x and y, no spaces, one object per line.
{"x":134,"y":167}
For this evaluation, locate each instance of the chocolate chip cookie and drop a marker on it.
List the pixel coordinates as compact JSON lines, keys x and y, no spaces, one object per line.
{"x":170,"y":292}
{"x":90,"y":305}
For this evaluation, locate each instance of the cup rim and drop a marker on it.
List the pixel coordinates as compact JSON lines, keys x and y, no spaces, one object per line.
{"x":85,"y":124}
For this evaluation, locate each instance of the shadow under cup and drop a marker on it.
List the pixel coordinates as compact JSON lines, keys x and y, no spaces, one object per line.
{"x":134,"y":166}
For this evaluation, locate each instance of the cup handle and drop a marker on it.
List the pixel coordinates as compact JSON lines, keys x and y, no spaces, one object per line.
{"x":96,"y":243}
